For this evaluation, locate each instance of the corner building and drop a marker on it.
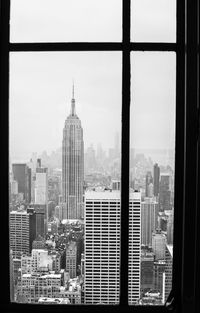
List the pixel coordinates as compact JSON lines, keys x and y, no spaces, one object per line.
{"x":72,"y":165}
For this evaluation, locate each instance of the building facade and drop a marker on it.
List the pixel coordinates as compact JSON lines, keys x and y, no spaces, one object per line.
{"x":22,"y":232}
{"x":71,"y":256}
{"x":102,"y":247}
{"x":158,"y":244}
{"x":156,"y":179}
{"x":41,"y":190}
{"x":22,"y":174}
{"x":149,"y":220}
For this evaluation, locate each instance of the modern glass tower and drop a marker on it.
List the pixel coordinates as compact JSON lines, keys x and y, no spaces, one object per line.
{"x":72,"y":165}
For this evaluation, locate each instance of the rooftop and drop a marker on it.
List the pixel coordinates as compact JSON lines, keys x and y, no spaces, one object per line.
{"x":107,"y":194}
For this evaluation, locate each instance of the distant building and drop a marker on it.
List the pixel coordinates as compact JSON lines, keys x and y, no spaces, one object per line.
{"x":21,"y":174}
{"x":149,"y":220}
{"x":158,"y":245}
{"x":115,"y":185}
{"x":148,"y":181}
{"x":14,"y":187}
{"x":170,"y":226}
{"x":71,"y":256}
{"x":164,"y":193}
{"x":41,"y":189}
{"x":156,"y":179}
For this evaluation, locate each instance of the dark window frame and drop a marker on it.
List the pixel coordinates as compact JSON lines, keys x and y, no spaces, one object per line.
{"x":185,"y":284}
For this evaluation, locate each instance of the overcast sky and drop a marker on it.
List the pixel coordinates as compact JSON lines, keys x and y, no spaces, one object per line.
{"x":41,"y":83}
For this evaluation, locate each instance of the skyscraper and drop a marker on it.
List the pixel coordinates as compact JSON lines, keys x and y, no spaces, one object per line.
{"x":164,"y":194}
{"x":149,"y":220}
{"x":73,"y":165}
{"x":102,"y":247}
{"x":41,"y":191}
{"x":156,"y":178}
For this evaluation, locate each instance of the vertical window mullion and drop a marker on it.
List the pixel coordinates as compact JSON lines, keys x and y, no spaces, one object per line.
{"x":179,"y":153}
{"x":4,"y":94}
{"x":125,"y":154}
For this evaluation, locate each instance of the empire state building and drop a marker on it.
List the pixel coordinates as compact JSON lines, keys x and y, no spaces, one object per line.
{"x":72,"y":165}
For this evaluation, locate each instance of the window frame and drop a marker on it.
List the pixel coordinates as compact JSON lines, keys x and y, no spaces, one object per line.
{"x":185,"y":282}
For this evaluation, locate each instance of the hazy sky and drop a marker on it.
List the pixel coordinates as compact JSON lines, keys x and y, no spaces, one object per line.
{"x":91,"y":20}
{"x":41,"y":83}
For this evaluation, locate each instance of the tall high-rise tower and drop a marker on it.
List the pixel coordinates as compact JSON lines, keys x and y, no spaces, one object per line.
{"x":73,"y":165}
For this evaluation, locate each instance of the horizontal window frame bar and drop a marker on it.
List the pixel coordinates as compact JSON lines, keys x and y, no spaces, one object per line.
{"x":92,"y":46}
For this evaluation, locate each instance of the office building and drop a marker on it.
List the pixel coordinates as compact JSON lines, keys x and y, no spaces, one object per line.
{"x":41,"y":190}
{"x":164,"y":193}
{"x":149,"y":220}
{"x":22,"y":232}
{"x":73,"y":165}
{"x":102,"y":247}
{"x":147,"y":271}
{"x":159,"y":269}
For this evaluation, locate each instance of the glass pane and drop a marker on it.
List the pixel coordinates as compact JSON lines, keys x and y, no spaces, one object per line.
{"x":65,"y":20}
{"x":153,"y":20}
{"x":64,"y":163}
{"x":152,"y":152}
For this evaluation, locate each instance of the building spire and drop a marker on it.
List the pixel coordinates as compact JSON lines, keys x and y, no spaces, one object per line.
{"x":73,"y":112}
{"x":73,"y":90}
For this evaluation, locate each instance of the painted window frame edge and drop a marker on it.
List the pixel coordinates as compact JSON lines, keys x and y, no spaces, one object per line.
{"x":185,"y":284}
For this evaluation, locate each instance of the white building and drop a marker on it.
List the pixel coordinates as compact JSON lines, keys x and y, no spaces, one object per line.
{"x":102,"y":247}
{"x":134,"y":247}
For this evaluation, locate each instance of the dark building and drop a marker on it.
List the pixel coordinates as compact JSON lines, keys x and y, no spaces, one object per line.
{"x":164,"y":193}
{"x":156,"y":179}
{"x":147,"y":272}
{"x":29,"y":184}
{"x":159,"y":269}
{"x":39,"y":217}
{"x":22,"y":174}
